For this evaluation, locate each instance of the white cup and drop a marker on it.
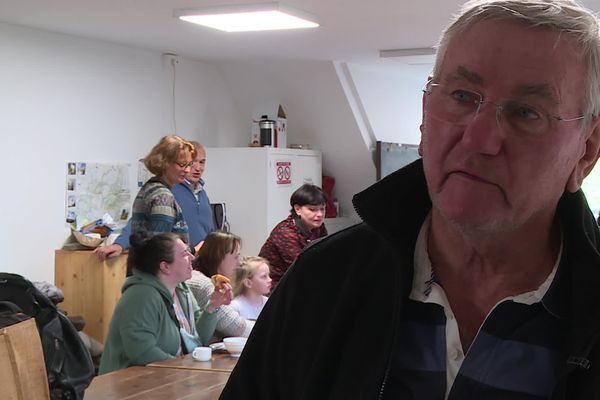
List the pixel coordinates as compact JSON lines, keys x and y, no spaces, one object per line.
{"x":202,"y":354}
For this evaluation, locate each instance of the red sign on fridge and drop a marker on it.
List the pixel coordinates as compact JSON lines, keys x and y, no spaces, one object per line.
{"x":283,"y":171}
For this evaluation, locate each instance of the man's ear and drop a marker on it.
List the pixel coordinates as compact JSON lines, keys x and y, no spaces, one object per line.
{"x":588,"y":159}
{"x":422,"y":126}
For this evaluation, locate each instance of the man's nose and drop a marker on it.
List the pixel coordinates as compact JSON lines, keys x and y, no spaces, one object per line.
{"x":494,"y":106}
{"x":483,"y":134}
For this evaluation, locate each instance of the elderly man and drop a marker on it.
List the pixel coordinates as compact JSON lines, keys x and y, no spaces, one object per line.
{"x":475,"y":273}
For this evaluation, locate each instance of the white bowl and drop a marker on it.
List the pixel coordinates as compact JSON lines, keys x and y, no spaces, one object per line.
{"x":235,"y":345}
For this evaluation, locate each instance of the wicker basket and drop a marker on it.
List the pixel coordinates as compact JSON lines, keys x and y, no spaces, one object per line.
{"x":87,"y":241}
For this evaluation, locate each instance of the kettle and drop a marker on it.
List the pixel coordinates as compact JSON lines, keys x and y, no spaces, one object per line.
{"x":267,"y":131}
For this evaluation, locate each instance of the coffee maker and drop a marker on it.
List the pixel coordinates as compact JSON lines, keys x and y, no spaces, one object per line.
{"x":268,"y":131}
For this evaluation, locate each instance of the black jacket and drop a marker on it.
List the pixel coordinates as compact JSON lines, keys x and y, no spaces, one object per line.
{"x":328,"y":330}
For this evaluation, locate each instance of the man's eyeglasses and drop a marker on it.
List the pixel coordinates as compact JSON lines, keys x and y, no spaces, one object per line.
{"x":459,"y":106}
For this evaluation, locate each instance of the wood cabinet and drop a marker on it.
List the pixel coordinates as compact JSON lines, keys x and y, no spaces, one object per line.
{"x":92,"y":288}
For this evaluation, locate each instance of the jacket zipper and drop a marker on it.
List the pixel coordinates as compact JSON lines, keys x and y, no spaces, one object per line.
{"x":575,"y":362}
{"x":395,"y":322}
{"x":385,"y":378}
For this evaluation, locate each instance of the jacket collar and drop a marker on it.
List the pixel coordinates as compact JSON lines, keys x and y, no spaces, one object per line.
{"x":190,"y":185}
{"x":397,"y":205}
{"x":582,"y":272}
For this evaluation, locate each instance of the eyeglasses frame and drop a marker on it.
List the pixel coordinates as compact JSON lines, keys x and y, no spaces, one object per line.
{"x":499,"y":107}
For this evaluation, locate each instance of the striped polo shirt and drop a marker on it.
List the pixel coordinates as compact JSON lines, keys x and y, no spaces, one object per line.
{"x":515,"y":355}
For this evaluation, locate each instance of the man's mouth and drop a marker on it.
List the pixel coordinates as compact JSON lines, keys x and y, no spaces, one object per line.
{"x":473,"y":176}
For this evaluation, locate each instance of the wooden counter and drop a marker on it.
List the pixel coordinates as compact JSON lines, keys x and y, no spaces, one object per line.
{"x":92,"y":288}
{"x":145,"y":383}
{"x":219,"y":362}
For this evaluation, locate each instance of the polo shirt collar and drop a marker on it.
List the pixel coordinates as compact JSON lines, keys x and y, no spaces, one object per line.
{"x":549,"y":293}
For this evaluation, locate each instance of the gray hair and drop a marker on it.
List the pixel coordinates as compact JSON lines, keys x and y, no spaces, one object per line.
{"x":566,"y":16}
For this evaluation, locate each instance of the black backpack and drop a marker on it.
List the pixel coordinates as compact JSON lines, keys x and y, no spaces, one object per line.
{"x":10,"y":314}
{"x":68,"y":363}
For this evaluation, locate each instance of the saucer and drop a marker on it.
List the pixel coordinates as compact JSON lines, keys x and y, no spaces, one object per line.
{"x":220,"y":346}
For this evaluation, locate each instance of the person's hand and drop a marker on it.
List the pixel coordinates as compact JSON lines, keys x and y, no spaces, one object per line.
{"x":110,"y":251}
{"x":220,"y":297}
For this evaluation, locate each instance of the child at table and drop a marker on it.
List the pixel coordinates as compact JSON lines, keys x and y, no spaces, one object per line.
{"x":252,"y":282}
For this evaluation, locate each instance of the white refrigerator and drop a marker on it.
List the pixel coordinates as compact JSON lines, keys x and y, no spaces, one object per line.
{"x":255,"y":184}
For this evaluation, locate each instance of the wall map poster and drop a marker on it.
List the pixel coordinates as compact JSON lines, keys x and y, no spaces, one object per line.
{"x":95,"y":189}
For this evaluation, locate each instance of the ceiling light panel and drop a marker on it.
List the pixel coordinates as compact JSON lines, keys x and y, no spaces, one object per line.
{"x":249,"y":17}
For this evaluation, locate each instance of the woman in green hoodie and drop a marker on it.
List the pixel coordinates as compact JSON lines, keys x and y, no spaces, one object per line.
{"x":157,"y":317}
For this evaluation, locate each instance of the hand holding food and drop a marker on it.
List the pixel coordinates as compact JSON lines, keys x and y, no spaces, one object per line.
{"x":219,"y":280}
{"x":222,"y":295}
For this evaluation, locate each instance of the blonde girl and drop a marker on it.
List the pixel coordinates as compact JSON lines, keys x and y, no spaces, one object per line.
{"x":252,"y":282}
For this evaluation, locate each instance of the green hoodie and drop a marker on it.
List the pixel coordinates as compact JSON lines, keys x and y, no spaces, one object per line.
{"x":141,"y":330}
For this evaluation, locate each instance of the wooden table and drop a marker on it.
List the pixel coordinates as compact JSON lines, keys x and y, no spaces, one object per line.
{"x":147,"y":383}
{"x":221,"y":362}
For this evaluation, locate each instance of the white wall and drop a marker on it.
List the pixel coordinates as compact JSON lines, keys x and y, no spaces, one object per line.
{"x":64,"y":98}
{"x":390,"y":93}
{"x":317,"y":112}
